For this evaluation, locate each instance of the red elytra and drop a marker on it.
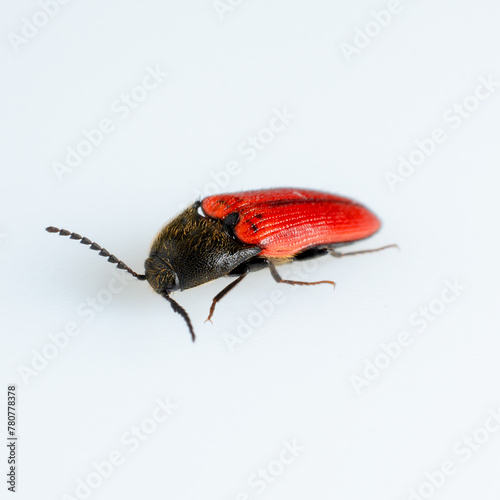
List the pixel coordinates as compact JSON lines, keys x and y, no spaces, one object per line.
{"x":237,"y":233}
{"x":286,"y":221}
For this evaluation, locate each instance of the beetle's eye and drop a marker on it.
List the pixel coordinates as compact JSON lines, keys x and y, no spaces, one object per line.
{"x":171,"y":287}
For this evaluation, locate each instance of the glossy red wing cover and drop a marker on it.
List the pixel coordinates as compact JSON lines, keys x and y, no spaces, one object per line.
{"x":285,"y":221}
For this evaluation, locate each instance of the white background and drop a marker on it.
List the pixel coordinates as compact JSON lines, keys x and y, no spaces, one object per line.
{"x":292,"y":377}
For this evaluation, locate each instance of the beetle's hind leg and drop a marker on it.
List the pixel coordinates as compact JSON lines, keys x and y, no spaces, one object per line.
{"x":225,"y":291}
{"x":279,"y":279}
{"x":334,"y":252}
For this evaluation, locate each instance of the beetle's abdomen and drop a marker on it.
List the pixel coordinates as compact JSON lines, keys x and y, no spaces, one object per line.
{"x":284,"y":222}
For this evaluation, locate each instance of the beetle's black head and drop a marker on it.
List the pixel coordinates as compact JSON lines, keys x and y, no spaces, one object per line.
{"x":160,"y":275}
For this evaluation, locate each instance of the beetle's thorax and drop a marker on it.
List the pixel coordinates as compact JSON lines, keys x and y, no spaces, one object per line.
{"x":193,"y":249}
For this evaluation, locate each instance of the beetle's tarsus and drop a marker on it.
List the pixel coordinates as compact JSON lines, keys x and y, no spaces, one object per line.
{"x":334,"y":252}
{"x":279,"y":279}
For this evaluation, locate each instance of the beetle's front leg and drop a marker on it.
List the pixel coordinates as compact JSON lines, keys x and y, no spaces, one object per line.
{"x":225,"y":291}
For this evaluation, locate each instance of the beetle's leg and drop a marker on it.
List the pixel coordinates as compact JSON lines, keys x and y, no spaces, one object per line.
{"x":279,"y":279}
{"x":225,"y":291}
{"x":334,"y":252}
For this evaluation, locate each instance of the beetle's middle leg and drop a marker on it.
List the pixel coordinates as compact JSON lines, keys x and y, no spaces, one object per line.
{"x":334,"y":252}
{"x":279,"y":279}
{"x":225,"y":291}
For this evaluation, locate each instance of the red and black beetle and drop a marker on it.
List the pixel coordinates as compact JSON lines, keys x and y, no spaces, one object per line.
{"x":236,"y":233}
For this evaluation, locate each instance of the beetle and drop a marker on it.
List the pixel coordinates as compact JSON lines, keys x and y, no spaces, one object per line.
{"x":233,"y":234}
